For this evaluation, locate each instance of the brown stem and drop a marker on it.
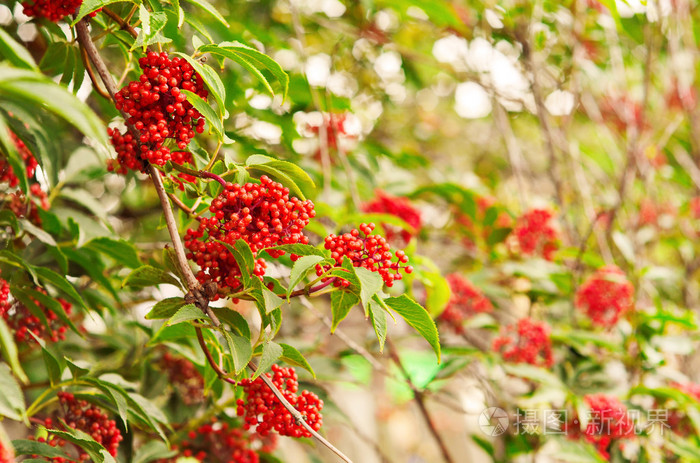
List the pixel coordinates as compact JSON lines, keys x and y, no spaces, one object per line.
{"x":98,"y":88}
{"x":124,"y":25}
{"x":192,"y":283}
{"x":183,"y":207}
{"x":419,"y":396}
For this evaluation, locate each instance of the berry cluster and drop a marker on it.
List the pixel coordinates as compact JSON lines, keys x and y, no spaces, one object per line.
{"x":526,"y":342}
{"x":262,"y":410}
{"x":80,"y":415}
{"x":401,"y":208}
{"x":535,"y":234}
{"x":16,"y":201}
{"x":605,"y":296}
{"x":158,"y":109}
{"x":263,"y":215}
{"x":52,"y":9}
{"x":185,"y":377}
{"x":22,"y":321}
{"x":365,"y":250}
{"x":607,"y":420}
{"x":465,"y":301}
{"x":218,"y":442}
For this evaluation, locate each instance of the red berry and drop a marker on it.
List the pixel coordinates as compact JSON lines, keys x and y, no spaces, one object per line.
{"x":526,"y":342}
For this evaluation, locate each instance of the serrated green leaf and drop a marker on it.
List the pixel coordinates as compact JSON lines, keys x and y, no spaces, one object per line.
{"x":377,"y":316}
{"x":205,"y":110}
{"x":290,"y":175}
{"x":8,"y":349}
{"x":88,"y":6}
{"x":300,"y":250}
{"x":152,"y":22}
{"x":11,"y":400}
{"x":95,"y":450}
{"x":16,"y":261}
{"x":252,"y":60}
{"x":147,"y":275}
{"x":209,"y":8}
{"x":212,"y":81}
{"x":37,"y":232}
{"x":32,"y":447}
{"x":300,"y":269}
{"x":186,"y":313}
{"x":240,"y":349}
{"x":271,"y":352}
{"x":418,"y":318}
{"x":370,"y":284}
{"x":292,"y":356}
{"x":233,"y":318}
{"x":165,"y":308}
{"x":121,"y":251}
{"x":15,"y":53}
{"x":341,"y":304}
{"x":153,"y":450}
{"x":60,"y":283}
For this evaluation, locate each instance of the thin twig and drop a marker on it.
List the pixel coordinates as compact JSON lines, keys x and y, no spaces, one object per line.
{"x":192,"y":283}
{"x":124,"y":25}
{"x":86,"y":63}
{"x":420,"y":400}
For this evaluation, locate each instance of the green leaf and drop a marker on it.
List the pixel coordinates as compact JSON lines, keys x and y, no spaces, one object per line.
{"x":149,"y":411}
{"x":11,"y":400}
{"x":116,"y":393}
{"x":37,"y":232}
{"x":300,"y":250}
{"x":377,"y":316}
{"x":8,"y":349}
{"x":271,"y":351}
{"x":153,"y":450}
{"x":418,"y":318}
{"x":15,"y":53}
{"x":121,"y":251}
{"x":88,"y":6}
{"x":370,"y":284}
{"x":8,"y":217}
{"x":58,"y":281}
{"x":205,"y":110}
{"x":244,"y":258}
{"x":241,"y":350}
{"x":185,"y":314}
{"x":341,"y":303}
{"x":300,"y":269}
{"x":152,"y":22}
{"x":541,"y":375}
{"x":212,"y":81}
{"x":32,"y":447}
{"x":26,"y":86}
{"x":147,"y":275}
{"x":95,"y":450}
{"x":53,"y":306}
{"x":165,"y":308}
{"x":234,"y":319}
{"x":252,"y":60}
{"x":290,"y":175}
{"x":292,"y":356}
{"x":209,"y":8}
{"x":16,"y":261}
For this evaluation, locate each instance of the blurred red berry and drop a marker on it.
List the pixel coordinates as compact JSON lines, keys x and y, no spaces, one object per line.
{"x":465,"y":301}
{"x":535,"y":234}
{"x":526,"y":342}
{"x":402,"y":208}
{"x":605,"y":296}
{"x":608,"y":421}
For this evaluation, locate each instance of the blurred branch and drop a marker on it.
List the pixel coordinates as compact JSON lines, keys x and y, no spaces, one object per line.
{"x":419,"y":397}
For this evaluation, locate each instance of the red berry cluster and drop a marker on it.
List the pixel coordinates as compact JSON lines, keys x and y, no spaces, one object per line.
{"x":16,"y":201}
{"x":605,"y":296}
{"x":607,"y":420}
{"x":52,"y":9}
{"x":401,"y":208}
{"x":22,"y":321}
{"x":465,"y":301}
{"x":262,"y":410}
{"x":263,"y":215}
{"x":365,"y":250}
{"x":218,"y":442}
{"x":535,"y":234}
{"x":80,"y":415}
{"x":526,"y":342}
{"x":158,"y":110}
{"x":184,"y":376}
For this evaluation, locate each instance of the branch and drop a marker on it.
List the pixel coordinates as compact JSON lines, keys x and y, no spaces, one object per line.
{"x":192,"y":283}
{"x":124,"y":25}
{"x":420,"y":400}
